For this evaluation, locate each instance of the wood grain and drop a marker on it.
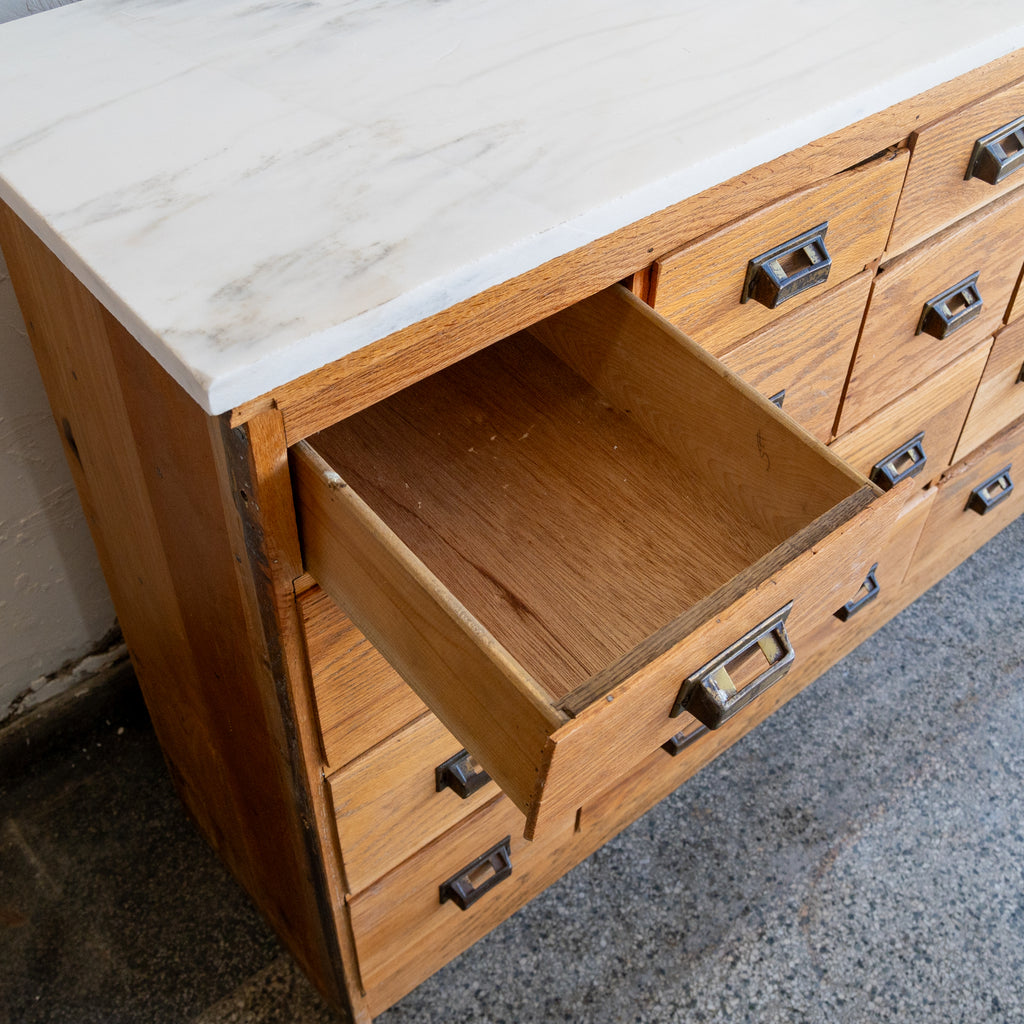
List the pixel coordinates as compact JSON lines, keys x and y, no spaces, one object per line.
{"x":602,"y":740}
{"x":1000,"y":396}
{"x":754,"y":463}
{"x":937,"y":407}
{"x":567,"y":533}
{"x":936,"y":193}
{"x":387,"y":804}
{"x":891,"y":356}
{"x":360,"y":698}
{"x":807,"y":353}
{"x":699,"y":288}
{"x":468,"y":680}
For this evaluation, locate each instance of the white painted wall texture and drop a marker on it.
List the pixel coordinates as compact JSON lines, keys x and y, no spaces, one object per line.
{"x":55,"y":610}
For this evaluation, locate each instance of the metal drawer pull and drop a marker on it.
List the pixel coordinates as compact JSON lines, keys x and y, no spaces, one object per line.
{"x":997,"y":155}
{"x":987,"y":495}
{"x":678,"y":743}
{"x":778,"y":398}
{"x":953,"y":309}
{"x":788,"y":269}
{"x":870,"y":589}
{"x":461,"y":774}
{"x":712,"y":695}
{"x":907,"y":460}
{"x":475,"y":879}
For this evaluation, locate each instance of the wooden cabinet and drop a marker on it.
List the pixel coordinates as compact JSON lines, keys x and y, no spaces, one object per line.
{"x":426,"y":627}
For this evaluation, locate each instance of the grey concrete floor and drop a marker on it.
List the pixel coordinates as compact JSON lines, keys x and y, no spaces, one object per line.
{"x":858,"y":857}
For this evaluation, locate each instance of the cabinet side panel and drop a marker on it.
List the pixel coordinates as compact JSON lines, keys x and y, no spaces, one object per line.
{"x":145,"y":468}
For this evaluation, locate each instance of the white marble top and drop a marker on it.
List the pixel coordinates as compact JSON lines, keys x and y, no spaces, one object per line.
{"x":257,"y":187}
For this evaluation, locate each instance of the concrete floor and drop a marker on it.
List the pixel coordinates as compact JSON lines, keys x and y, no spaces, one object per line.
{"x":859,"y":857}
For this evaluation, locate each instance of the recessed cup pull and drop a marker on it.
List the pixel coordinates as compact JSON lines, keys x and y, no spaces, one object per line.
{"x":461,"y":774}
{"x":788,"y":269}
{"x":713,"y":694}
{"x":952,"y":309}
{"x":990,"y":492}
{"x":906,"y":461}
{"x":479,"y":877}
{"x":997,"y":155}
{"x":869,"y":590}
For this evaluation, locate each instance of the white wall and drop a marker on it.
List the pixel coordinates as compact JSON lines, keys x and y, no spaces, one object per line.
{"x":54,"y":605}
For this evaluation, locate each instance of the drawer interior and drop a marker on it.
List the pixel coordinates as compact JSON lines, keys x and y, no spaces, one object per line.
{"x":550,"y":511}
{"x":546,"y":531}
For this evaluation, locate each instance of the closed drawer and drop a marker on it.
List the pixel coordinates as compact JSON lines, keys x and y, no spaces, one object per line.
{"x":801,"y":361}
{"x":404,"y":932}
{"x":402,"y":794}
{"x":701,"y":287}
{"x":938,"y":191}
{"x":975,"y":500}
{"x":548,"y":539}
{"x":896,"y":350}
{"x":360,"y":698}
{"x":1000,"y":396}
{"x":915,"y":436}
{"x":883,"y":592}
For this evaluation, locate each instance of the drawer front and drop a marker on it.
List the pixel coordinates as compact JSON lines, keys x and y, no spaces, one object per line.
{"x":805,"y":356}
{"x":937,"y":193}
{"x":916,"y":435}
{"x":895,"y":352}
{"x":388,"y":802}
{"x":883,"y":591}
{"x":360,"y":698}
{"x":404,"y":932}
{"x":1000,"y":396}
{"x":699,"y":288}
{"x":958,"y":523}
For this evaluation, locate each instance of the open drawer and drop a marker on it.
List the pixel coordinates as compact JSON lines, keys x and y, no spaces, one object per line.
{"x":574,"y":538}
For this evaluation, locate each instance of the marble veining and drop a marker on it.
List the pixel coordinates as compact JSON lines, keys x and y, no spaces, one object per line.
{"x":258,"y":187}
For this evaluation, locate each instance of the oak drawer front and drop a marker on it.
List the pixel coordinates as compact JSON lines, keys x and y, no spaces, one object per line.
{"x":388,"y":802}
{"x":882,"y":593}
{"x":896,"y":348}
{"x":404,"y":932}
{"x":937,"y":191}
{"x":822,"y":639}
{"x":801,"y":361}
{"x":1000,"y":396}
{"x":360,"y":698}
{"x":975,"y":500}
{"x":915,"y":436}
{"x":701,"y":286}
{"x":546,"y":540}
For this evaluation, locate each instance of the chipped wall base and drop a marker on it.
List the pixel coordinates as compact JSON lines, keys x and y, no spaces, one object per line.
{"x":106,"y":654}
{"x":67,"y":705}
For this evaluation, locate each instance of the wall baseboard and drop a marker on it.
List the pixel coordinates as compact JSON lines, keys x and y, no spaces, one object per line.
{"x":54,"y":723}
